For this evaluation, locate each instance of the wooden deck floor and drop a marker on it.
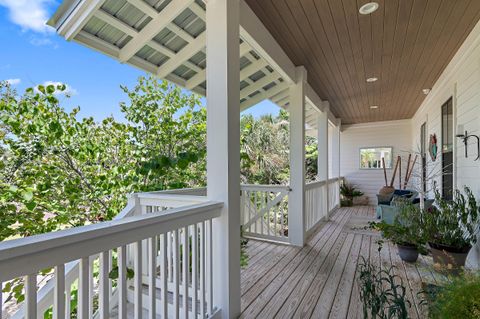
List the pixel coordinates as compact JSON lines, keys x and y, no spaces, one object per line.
{"x":318,"y":280}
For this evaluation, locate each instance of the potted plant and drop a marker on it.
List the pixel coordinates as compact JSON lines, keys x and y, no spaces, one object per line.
{"x":348,"y":192}
{"x":453,"y":228}
{"x":406,"y":232}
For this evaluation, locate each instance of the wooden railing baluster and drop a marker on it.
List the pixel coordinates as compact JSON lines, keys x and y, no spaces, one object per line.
{"x":59,"y":292}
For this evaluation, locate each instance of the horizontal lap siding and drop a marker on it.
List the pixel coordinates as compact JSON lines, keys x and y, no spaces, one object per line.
{"x":460,"y":80}
{"x":396,"y":134}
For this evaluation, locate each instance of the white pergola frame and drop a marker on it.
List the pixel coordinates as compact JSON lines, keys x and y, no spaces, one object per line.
{"x":232,"y":33}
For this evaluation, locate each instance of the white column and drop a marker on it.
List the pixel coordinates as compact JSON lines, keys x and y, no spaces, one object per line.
{"x":223,"y":149}
{"x":296,"y":198}
{"x":338,"y":132}
{"x":322,"y":131}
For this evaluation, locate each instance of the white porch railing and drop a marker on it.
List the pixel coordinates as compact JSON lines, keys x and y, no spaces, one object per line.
{"x":317,"y":199}
{"x":171,"y":249}
{"x":264,"y":212}
{"x":185,"y":219}
{"x":334,"y":193}
{"x":315,"y":204}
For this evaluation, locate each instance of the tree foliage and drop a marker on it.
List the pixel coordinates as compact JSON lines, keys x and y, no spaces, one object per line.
{"x":265,"y":150}
{"x":60,"y":171}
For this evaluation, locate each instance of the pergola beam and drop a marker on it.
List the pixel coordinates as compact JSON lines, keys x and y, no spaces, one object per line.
{"x":167,"y":15}
{"x":183,"y":55}
{"x":199,"y":78}
{"x":125,"y":28}
{"x":144,"y":7}
{"x":258,"y":85}
{"x":263,"y":96}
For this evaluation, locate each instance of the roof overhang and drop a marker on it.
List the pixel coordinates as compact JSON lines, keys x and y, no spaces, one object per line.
{"x":167,"y":38}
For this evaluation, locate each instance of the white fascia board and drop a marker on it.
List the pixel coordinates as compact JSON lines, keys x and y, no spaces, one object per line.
{"x":72,"y":16}
{"x":313,"y":98}
{"x":256,"y":34}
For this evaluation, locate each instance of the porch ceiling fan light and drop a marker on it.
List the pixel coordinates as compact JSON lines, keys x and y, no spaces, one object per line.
{"x":368,"y":8}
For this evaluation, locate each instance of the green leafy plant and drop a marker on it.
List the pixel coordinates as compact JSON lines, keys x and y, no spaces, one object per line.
{"x":381,"y":292}
{"x":348,"y":193}
{"x":454,"y":223}
{"x":460,"y":298}
{"x":407,"y":228}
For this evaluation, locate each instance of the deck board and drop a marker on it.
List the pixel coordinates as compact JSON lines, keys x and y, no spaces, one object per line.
{"x":319,"y":280}
{"x":254,"y":301}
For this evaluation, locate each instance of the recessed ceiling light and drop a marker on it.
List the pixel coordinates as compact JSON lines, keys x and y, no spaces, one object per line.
{"x":426,"y":91}
{"x":374,"y":107}
{"x":370,"y":80}
{"x":368,"y":8}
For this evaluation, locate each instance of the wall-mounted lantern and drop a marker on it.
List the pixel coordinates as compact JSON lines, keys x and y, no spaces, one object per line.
{"x":463,"y":134}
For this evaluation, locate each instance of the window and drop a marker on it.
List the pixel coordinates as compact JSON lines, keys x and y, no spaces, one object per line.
{"x":423,"y":151}
{"x":447,"y":150}
{"x":371,"y":157}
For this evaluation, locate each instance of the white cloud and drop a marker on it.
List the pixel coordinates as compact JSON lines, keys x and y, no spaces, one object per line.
{"x":69,"y":91}
{"x":40,"y":41}
{"x":29,"y":14}
{"x":13,"y":81}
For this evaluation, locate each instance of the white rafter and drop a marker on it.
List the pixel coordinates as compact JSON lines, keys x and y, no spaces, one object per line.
{"x":116,"y":23}
{"x":199,"y":78}
{"x":252,"y":69}
{"x":162,"y":20}
{"x":263,"y":96}
{"x":257,"y":85}
{"x":125,"y":28}
{"x":198,"y":10}
{"x":282,"y":96}
{"x":180,"y":32}
{"x":144,"y":7}
{"x":183,"y":55}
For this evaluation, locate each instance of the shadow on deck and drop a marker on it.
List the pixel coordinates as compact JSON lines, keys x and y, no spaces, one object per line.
{"x":318,"y":280}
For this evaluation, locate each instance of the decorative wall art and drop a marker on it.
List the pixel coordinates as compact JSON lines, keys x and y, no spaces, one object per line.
{"x":433,"y":147}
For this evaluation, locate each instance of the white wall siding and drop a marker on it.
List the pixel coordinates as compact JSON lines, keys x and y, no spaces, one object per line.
{"x":396,"y":134}
{"x":460,"y":80}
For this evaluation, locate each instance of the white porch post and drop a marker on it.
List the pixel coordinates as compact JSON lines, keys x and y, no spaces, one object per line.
{"x":322,"y":138}
{"x":223,"y":149}
{"x":296,"y":198}
{"x":338,"y":131}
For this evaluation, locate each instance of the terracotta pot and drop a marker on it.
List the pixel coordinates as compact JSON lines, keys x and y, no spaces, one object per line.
{"x":408,"y":253}
{"x":449,"y":256}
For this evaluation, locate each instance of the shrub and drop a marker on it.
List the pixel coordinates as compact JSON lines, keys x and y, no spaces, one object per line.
{"x":407,"y":229}
{"x":458,"y":299}
{"x":454,"y":223}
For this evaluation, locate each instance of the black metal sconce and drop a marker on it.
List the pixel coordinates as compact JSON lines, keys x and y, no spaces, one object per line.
{"x":465,"y":138}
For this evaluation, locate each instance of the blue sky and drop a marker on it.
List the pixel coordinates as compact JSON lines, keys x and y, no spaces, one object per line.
{"x":33,"y":54}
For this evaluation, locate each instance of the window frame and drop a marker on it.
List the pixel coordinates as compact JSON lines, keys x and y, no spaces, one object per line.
{"x":374,"y":168}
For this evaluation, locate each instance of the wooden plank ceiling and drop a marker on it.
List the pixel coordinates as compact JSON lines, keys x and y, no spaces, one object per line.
{"x":406,"y":44}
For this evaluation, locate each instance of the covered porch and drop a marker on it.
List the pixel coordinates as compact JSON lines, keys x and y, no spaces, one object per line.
{"x":177,"y":253}
{"x":320,"y":280}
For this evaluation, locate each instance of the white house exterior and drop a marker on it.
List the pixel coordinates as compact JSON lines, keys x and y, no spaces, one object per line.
{"x":176,"y":40}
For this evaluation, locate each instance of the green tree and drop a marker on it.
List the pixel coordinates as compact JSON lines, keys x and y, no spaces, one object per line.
{"x":265,"y":150}
{"x":60,"y":171}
